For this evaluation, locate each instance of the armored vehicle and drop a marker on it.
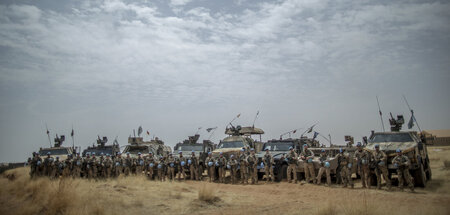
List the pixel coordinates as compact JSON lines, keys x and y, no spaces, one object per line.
{"x":410,"y":143}
{"x":137,"y":144}
{"x":239,"y":137}
{"x":201,"y":149}
{"x":57,"y":150}
{"x":102,"y":148}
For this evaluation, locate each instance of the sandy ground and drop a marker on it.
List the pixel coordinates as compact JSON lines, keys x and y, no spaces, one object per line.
{"x":136,"y":195}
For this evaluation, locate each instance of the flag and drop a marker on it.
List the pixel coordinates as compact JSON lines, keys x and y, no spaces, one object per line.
{"x":48,"y":132}
{"x":148,"y":133}
{"x":72,"y":133}
{"x":210,"y":129}
{"x":315,"y":135}
{"x":294,"y":131}
{"x":139,"y":130}
{"x":257,"y":113}
{"x":238,"y":115}
{"x":411,"y":120}
{"x":310,"y":129}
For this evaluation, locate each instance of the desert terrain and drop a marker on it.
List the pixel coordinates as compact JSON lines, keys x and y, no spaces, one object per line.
{"x":137,"y":195}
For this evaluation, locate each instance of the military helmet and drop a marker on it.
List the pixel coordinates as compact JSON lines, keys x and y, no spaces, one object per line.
{"x":180,"y":152}
{"x":398,"y":150}
{"x":377,"y":145}
{"x":359,"y":144}
{"x":305,"y":145}
{"x":323,"y":150}
{"x":209,"y":153}
{"x":341,"y":150}
{"x":267,"y":148}
{"x":93,"y":153}
{"x":252,"y":149}
{"x":139,"y":153}
{"x":221,"y":153}
{"x":290,"y":148}
{"x":48,"y":153}
{"x":242,"y":150}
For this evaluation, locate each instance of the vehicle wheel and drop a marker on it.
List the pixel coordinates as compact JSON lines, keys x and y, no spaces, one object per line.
{"x":282,"y":173}
{"x":428,"y":172}
{"x":420,"y":178}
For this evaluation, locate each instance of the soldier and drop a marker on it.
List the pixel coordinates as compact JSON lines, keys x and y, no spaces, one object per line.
{"x":139,"y":164}
{"x":150,"y":164}
{"x":118,"y":164}
{"x":232,"y":166}
{"x":67,"y":166}
{"x":346,"y":167}
{"x":211,"y":169}
{"x":48,"y":162}
{"x":324,"y":168}
{"x":268,"y":163}
{"x":90,"y":164}
{"x":193,"y":166}
{"x":34,"y":165}
{"x":181,"y":163}
{"x":171,"y":167}
{"x":100,"y":166}
{"x":243,"y":169}
{"x":252,"y":161}
{"x":307,"y":156}
{"x":402,"y":163}
{"x":291,"y":158}
{"x":95,"y":164}
{"x":57,"y":167}
{"x":362,"y":159}
{"x":107,"y":166}
{"x":127,"y":163}
{"x":380,"y":167}
{"x":221,"y":165}
{"x":77,"y":163}
{"x":161,"y":168}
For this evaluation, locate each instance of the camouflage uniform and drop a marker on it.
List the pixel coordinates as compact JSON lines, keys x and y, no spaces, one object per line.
{"x":161,"y":169}
{"x":345,"y":162}
{"x":150,"y":160}
{"x":222,"y":161}
{"x":211,"y":169}
{"x":76,"y":166}
{"x":292,"y":165}
{"x":243,"y":167}
{"x":380,"y":162}
{"x":100,"y":167}
{"x":323,"y":169}
{"x":181,"y":168}
{"x":127,"y":163}
{"x":91,"y":167}
{"x":307,"y":156}
{"x":252,"y":166}
{"x":48,"y":163}
{"x":67,"y":166}
{"x":171,"y":167}
{"x":193,"y":167}
{"x":140,"y":164}
{"x":402,"y":163}
{"x":363,"y":158}
{"x":56,"y":168}
{"x":107,"y":167}
{"x":34,"y":171}
{"x":233,"y":163}
{"x":118,"y":164}
{"x":268,"y":163}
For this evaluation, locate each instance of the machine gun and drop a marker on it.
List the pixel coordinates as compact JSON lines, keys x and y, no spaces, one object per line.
{"x":59,"y":140}
{"x":396,"y":124}
{"x":102,"y":142}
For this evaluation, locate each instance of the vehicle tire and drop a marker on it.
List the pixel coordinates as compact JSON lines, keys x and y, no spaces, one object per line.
{"x":282,"y":174}
{"x":373,"y":179}
{"x":420,"y":178}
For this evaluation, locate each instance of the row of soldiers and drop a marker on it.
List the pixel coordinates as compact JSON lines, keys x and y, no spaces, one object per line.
{"x":367,"y":164}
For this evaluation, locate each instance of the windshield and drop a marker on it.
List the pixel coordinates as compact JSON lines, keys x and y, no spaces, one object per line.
{"x":397,"y":137}
{"x":190,"y":148}
{"x":54,"y":152}
{"x":98,"y":151}
{"x":278,"y":146}
{"x":238,"y":144}
{"x":136,"y":149}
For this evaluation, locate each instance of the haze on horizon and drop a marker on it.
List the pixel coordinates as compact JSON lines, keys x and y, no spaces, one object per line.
{"x":107,"y":67}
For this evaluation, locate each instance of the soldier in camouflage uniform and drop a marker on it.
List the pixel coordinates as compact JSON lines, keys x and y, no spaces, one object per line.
{"x":100,"y":166}
{"x":35,"y":163}
{"x":363,"y":158}
{"x":268,"y":163}
{"x":77,"y":163}
{"x":324,"y":168}
{"x":57,"y":168}
{"x":346,"y":163}
{"x":48,"y":162}
{"x":118,"y":164}
{"x":211,"y":168}
{"x":232,"y":165}
{"x":90,"y":166}
{"x":181,"y":164}
{"x":140,"y":164}
{"x":161,"y":169}
{"x":402,"y":163}
{"x":127,"y":163}
{"x":67,"y":166}
{"x":107,"y":166}
{"x":150,"y":165}
{"x":243,"y":166}
{"x":380,"y":163}
{"x":307,"y":156}
{"x":252,"y":161}
{"x":171,"y":167}
{"x":222,"y":163}
{"x":193,"y":166}
{"x":292,"y":164}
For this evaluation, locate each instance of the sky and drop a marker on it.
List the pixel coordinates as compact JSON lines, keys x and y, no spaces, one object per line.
{"x":108,"y":67}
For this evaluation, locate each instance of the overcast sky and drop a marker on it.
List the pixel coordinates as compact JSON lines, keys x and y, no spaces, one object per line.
{"x":107,"y":67}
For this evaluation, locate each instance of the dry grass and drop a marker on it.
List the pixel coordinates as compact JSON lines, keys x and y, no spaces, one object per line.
{"x":137,"y":195}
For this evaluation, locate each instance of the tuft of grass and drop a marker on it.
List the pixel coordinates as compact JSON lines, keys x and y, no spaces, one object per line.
{"x":207,"y":194}
{"x":329,"y":209}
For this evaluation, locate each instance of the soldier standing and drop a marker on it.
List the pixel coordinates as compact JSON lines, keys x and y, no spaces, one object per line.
{"x":34,"y":165}
{"x":94,"y":168}
{"x":211,"y":169}
{"x":268,"y":162}
{"x":127,"y":164}
{"x":193,"y":166}
{"x":77,"y":163}
{"x":346,"y":167}
{"x":139,"y":164}
{"x":171,"y":163}
{"x":232,"y":165}
{"x":48,"y":162}
{"x":222,"y":162}
{"x":161,"y":168}
{"x":243,"y":166}
{"x":292,"y":164}
{"x":100,"y":166}
{"x":118,"y":164}
{"x":150,"y":164}
{"x":67,"y":166}
{"x":252,"y":165}
{"x":402,"y":163}
{"x":363,"y":160}
{"x":324,"y":168}
{"x":307,"y":156}
{"x":181,"y":163}
{"x":56,"y":168}
{"x":107,"y":166}
{"x":380,"y":167}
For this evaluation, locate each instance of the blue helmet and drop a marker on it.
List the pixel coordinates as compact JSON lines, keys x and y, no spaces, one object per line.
{"x":139,"y":153}
{"x":359,"y":144}
{"x":193,"y":151}
{"x":210,"y":163}
{"x":290,"y":148}
{"x":252,"y":149}
{"x":341,"y":150}
{"x":267,"y":149}
{"x":128,"y":153}
{"x":305,"y":145}
{"x":183,"y":163}
{"x":398,"y":150}
{"x":93,"y":153}
{"x":323,"y":150}
{"x":231,"y":156}
{"x":377,"y":145}
{"x":242,"y":150}
{"x":48,"y":153}
{"x":101,"y":153}
{"x":179,"y":152}
{"x":107,"y":155}
{"x":209,"y":153}
{"x":221,"y":153}
{"x":189,"y":161}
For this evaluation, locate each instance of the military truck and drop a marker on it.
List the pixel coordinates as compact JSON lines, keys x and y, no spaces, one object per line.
{"x":137,"y":144}
{"x":102,"y":148}
{"x":239,"y":137}
{"x":410,"y":143}
{"x":57,"y":150}
{"x":201,"y":150}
